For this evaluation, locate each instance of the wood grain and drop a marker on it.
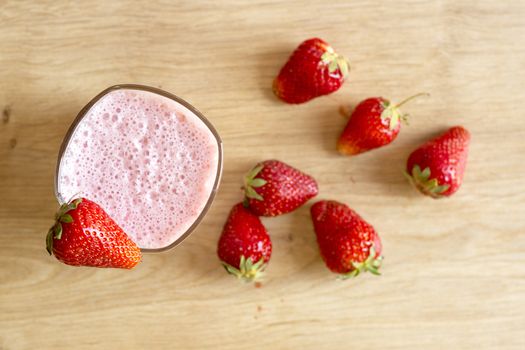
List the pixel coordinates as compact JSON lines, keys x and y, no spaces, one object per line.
{"x":453,"y":276}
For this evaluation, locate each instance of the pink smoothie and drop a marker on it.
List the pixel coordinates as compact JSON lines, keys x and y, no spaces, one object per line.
{"x":149,"y":161}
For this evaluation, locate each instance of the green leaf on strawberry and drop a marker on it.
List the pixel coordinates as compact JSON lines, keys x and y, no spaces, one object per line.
{"x":335,"y":62}
{"x":251,"y":182}
{"x":247,"y":271}
{"x":371,"y":264}
{"x":66,"y":218}
{"x":61,"y":216}
{"x":49,"y":241}
{"x":422,"y":180}
{"x":392,"y":114}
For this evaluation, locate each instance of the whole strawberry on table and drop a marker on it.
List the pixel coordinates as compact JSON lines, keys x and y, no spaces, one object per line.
{"x":347,"y":243}
{"x":437,"y":167}
{"x":274,"y":188}
{"x":374,"y":123}
{"x":244,"y":247}
{"x":314,"y":69}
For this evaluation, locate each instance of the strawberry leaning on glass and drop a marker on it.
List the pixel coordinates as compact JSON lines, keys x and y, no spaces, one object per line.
{"x":85,"y":235}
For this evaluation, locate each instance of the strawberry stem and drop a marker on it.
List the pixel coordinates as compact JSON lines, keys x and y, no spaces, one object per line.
{"x":392,"y":113}
{"x":411,"y":98}
{"x":345,"y":112}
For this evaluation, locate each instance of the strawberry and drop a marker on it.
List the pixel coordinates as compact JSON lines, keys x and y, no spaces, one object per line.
{"x":348,"y":244}
{"x":84,"y":235}
{"x":374,"y":123}
{"x":436,"y":168}
{"x":314,"y":69}
{"x":273,"y":188}
{"x":244,"y":246}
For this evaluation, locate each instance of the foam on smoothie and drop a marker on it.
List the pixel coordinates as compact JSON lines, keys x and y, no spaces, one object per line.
{"x":147,"y":160}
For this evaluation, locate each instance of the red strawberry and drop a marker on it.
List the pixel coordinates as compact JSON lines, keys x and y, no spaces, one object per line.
{"x":273,"y":188}
{"x":436,"y":168}
{"x":314,"y":69}
{"x":374,"y":123}
{"x":84,"y":235}
{"x":244,"y":246}
{"x":348,"y":244}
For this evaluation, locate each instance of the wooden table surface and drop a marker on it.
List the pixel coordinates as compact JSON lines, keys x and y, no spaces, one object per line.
{"x":453,"y":275}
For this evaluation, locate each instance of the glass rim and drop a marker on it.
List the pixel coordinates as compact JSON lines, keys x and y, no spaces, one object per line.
{"x":218,"y":175}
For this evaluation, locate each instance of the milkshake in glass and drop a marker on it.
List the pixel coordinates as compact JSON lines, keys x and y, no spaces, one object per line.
{"x":148,"y":158}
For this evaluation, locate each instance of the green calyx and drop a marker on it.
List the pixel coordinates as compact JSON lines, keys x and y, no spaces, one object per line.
{"x":422,"y":181}
{"x":371,"y":264}
{"x":392,"y":113}
{"x":251,"y":182}
{"x":335,"y":62}
{"x":247,"y":271}
{"x":61,"y":217}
